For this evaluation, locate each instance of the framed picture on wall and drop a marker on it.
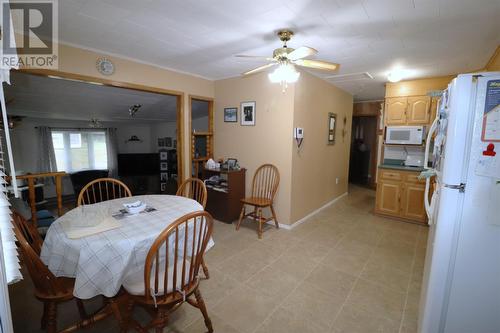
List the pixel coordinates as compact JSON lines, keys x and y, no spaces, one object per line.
{"x":163,"y":176}
{"x":332,"y":123}
{"x":161,"y":142}
{"x":163,"y":155}
{"x":247,"y":115}
{"x":163,"y":187}
{"x":163,"y":166}
{"x":168,"y":142}
{"x":231,"y":115}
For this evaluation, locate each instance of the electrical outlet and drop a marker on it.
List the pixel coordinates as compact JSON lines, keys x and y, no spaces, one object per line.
{"x":337,"y":180}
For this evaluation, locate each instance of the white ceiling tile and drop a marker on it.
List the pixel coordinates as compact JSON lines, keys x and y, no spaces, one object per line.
{"x":434,"y":37}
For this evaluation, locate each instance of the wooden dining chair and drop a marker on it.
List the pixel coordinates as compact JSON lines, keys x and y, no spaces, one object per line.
{"x":29,"y":231}
{"x":102,"y":189}
{"x":194,"y":188}
{"x":52,"y":290}
{"x":264,"y":187}
{"x":170,"y":275}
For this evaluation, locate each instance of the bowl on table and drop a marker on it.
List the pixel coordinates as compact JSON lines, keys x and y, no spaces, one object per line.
{"x":135,"y":207}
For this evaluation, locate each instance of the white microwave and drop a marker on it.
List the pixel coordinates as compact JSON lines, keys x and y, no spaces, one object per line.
{"x":404,"y":135}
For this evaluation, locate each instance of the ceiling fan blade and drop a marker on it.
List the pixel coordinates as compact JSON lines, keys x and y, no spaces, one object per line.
{"x":302,"y":52}
{"x":254,"y":57}
{"x":318,"y":64}
{"x":258,"y":69}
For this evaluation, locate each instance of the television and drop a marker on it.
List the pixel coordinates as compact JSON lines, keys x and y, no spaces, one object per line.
{"x":138,"y":164}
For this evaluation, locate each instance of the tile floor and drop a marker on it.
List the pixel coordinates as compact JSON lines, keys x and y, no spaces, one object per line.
{"x":344,"y":270}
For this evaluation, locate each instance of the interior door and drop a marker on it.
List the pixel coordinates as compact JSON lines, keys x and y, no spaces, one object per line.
{"x":395,"y":111}
{"x":389,"y":194}
{"x":418,"y":110}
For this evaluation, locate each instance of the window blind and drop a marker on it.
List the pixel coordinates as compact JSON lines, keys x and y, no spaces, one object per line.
{"x":10,"y":258}
{"x":9,"y":264}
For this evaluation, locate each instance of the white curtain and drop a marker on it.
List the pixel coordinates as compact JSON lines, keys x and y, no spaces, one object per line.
{"x":112,"y":152}
{"x":46,"y":156}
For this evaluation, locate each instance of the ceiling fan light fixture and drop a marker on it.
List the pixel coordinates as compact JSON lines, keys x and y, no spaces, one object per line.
{"x":284,"y":74}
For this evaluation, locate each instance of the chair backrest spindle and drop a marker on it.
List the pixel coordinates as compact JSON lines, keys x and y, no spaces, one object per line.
{"x":44,"y":281}
{"x":29,"y":231}
{"x":187,"y":237}
{"x":106,"y":189}
{"x":195,"y":189}
{"x":265,"y":182}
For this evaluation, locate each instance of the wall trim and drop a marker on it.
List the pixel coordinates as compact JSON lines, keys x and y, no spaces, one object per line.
{"x":314,"y":212}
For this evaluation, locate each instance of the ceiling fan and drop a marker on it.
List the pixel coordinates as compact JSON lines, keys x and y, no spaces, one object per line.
{"x":286,"y":58}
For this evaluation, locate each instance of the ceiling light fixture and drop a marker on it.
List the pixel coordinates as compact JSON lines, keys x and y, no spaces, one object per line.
{"x":133,"y":109}
{"x":284,"y":74}
{"x":95,"y":123}
{"x":398,"y":74}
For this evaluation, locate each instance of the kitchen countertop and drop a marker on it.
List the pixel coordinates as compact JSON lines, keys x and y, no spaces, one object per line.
{"x":400,"y":167}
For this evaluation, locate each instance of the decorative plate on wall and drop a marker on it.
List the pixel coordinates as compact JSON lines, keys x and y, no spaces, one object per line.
{"x":105,"y":66}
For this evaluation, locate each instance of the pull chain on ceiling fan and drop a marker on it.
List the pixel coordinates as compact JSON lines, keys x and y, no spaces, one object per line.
{"x":286,"y":58}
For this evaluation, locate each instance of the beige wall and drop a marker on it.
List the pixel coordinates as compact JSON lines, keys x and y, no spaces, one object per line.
{"x":83,"y":62}
{"x":494,"y":63}
{"x":316,"y":165}
{"x":269,"y":141}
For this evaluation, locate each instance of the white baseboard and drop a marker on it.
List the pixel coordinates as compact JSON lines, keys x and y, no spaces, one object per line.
{"x":305,"y":218}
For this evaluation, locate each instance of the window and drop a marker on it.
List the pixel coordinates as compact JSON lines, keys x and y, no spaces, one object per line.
{"x":80,"y":150}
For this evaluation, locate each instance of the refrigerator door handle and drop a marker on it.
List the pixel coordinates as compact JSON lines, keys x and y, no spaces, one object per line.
{"x":460,"y":187}
{"x":429,"y":137}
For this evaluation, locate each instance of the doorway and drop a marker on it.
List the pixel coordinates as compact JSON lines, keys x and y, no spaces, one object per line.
{"x":364,"y":144}
{"x":201,"y":129}
{"x":147,"y":141}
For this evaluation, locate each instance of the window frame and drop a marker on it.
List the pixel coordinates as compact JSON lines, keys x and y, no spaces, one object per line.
{"x":66,"y":132}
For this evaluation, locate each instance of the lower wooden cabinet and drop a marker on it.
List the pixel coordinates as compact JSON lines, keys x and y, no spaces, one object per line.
{"x":401,"y":194}
{"x":412,"y":204}
{"x":389,"y":197}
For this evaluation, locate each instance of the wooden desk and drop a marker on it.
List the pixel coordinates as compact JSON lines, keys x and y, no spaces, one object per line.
{"x":226,"y":205}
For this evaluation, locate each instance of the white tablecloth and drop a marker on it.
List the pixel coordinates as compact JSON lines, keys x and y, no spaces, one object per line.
{"x":101,"y":262}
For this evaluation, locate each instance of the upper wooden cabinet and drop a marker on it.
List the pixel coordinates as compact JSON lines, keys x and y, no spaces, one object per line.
{"x":418,"y":110}
{"x":415,"y":110}
{"x":395,"y":111}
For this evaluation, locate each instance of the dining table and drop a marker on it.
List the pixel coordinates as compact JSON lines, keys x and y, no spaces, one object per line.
{"x":99,"y":245}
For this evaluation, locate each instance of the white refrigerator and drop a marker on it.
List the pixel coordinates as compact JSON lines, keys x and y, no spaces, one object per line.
{"x":461,"y":285}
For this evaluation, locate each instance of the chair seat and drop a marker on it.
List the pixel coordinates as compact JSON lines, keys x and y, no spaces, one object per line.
{"x":134,"y":283}
{"x":256,"y":201}
{"x":66,"y":292}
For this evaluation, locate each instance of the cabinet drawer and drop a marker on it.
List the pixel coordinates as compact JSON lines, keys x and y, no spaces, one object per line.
{"x":391,"y":175}
{"x":413,"y":178}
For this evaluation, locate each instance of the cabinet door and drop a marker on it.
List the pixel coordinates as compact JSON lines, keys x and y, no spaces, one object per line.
{"x":418,"y":110}
{"x":389,"y":197}
{"x":413,"y":202}
{"x":395,"y":111}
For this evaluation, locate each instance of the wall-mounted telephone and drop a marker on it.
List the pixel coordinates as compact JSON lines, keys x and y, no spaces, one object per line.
{"x":298,"y":135}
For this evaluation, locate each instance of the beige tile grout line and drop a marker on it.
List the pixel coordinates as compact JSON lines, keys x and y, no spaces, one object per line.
{"x":411,"y":277}
{"x":358,"y":277}
{"x":278,"y":306}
